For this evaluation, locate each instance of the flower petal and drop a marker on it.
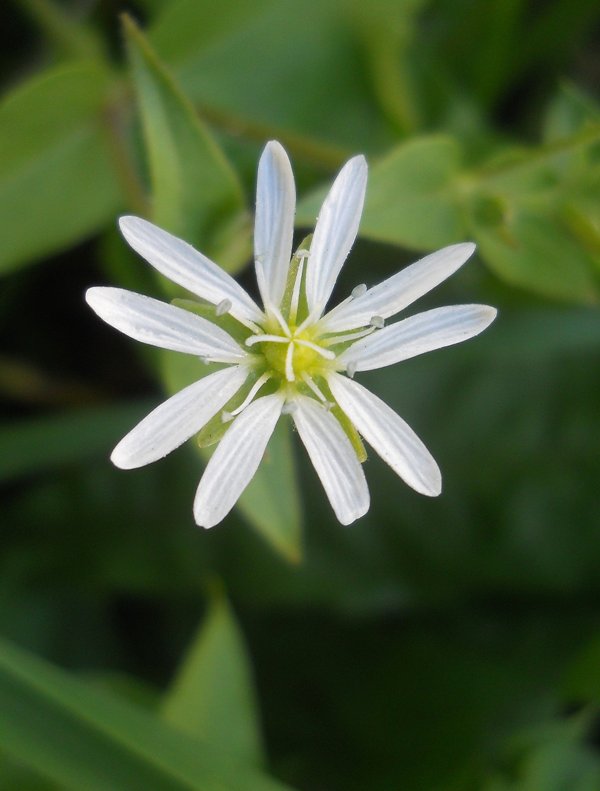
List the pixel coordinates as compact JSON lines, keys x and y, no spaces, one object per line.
{"x":235,"y":460}
{"x":184,"y":265}
{"x":274,"y":223}
{"x":335,"y":232}
{"x":177,"y":419}
{"x":159,"y":324}
{"x":333,"y":458}
{"x":388,"y":435}
{"x":402,"y":289}
{"x":418,"y":334}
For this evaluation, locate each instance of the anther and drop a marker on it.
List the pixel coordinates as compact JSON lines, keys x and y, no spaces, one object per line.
{"x":253,"y":391}
{"x":351,"y":368}
{"x":378,"y":322}
{"x":313,"y":386}
{"x":223,"y":307}
{"x":265,"y":339}
{"x":359,"y":290}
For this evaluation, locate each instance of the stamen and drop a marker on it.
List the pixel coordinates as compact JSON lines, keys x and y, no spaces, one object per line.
{"x":351,"y":368}
{"x":378,"y":322}
{"x":223,"y":307}
{"x":289,"y":366}
{"x":359,"y":290}
{"x":282,"y":322}
{"x":253,"y":391}
{"x":296,"y":291}
{"x":249,"y":324}
{"x":289,"y":408}
{"x":310,"y":319}
{"x":313,"y":386}
{"x":318,"y":349}
{"x":350,"y":336}
{"x":265,"y":339}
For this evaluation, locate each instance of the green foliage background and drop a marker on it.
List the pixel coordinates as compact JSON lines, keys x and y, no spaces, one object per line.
{"x":447,"y":645}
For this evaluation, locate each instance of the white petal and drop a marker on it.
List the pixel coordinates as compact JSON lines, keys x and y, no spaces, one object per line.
{"x":418,"y":334}
{"x":335,"y":232}
{"x":159,"y":324}
{"x":184,"y":265}
{"x":388,"y":435}
{"x":274,"y":224}
{"x":235,"y":460}
{"x":402,"y":289}
{"x":333,"y":458}
{"x":177,"y":419}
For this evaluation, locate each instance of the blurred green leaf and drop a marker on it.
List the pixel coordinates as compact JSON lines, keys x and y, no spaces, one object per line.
{"x":269,"y":73}
{"x":71,"y":37}
{"x":533,"y":250}
{"x":212,"y":696}
{"x":553,"y":757}
{"x":14,"y":777}
{"x":570,"y":112}
{"x":411,"y":197}
{"x":33,"y":445}
{"x":57,"y":181}
{"x":195,"y":192}
{"x":583,"y":678}
{"x":271,"y":502}
{"x":84,"y":738}
{"x":534,"y":214}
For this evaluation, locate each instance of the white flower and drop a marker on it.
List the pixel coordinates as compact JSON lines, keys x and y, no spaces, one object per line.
{"x":290,"y":356}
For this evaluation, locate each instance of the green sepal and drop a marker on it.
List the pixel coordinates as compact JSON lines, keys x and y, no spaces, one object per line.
{"x":344,"y":421}
{"x":208,"y":311}
{"x":213,"y":431}
{"x":291,"y":280}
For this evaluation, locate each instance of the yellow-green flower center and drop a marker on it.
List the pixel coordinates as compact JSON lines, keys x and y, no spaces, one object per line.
{"x":303,"y":358}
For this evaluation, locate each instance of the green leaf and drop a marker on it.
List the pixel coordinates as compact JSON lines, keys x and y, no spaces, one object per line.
{"x":533,"y":250}
{"x":70,"y":36}
{"x":57,"y":181}
{"x":290,"y":54}
{"x":212,"y":696}
{"x":195,"y":192}
{"x":570,"y":112}
{"x":82,"y":737}
{"x":552,"y":757}
{"x":38,"y":444}
{"x":411,"y":198}
{"x":271,"y":502}
{"x":534,"y":214}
